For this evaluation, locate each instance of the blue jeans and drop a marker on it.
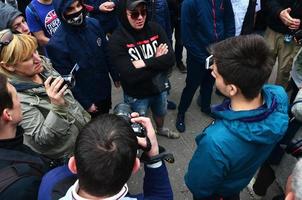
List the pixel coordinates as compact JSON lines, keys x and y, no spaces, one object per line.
{"x":197,"y":75}
{"x":157,"y":103}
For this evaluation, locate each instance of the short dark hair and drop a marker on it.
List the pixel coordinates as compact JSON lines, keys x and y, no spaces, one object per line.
{"x":6,"y":100}
{"x":245,"y":61}
{"x":105,"y":153}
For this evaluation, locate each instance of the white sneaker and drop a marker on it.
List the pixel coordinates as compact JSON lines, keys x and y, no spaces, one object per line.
{"x":251,"y":191}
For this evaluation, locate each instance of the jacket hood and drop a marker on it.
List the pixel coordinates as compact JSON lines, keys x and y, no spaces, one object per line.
{"x":263,"y":125}
{"x":7,"y":15}
{"x":60,"y":7}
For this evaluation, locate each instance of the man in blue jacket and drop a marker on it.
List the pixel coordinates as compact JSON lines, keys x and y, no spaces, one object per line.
{"x":80,"y":40}
{"x":105,"y":157}
{"x":202,"y":23}
{"x":248,"y":123}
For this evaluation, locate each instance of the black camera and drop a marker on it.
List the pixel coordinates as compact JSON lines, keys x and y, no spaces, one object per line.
{"x":124,"y":111}
{"x":69,"y":80}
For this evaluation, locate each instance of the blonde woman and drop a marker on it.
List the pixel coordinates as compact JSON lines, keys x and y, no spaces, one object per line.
{"x":52,"y":117}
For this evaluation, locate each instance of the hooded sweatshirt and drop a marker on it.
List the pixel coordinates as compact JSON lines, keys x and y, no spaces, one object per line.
{"x":85,"y":45}
{"x":7,"y":15}
{"x":127,"y":45}
{"x":234,"y":146}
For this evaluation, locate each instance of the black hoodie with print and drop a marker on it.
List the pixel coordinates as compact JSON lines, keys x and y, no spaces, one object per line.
{"x":127,"y":44}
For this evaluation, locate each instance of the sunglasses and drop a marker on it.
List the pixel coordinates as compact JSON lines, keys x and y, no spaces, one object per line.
{"x":135,"y":14}
{"x":5,"y":39}
{"x":209,"y":62}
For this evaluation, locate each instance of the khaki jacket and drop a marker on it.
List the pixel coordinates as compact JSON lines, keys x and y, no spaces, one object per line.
{"x":49,"y":129}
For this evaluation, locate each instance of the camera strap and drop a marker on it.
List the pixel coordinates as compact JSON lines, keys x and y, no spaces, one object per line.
{"x":148,"y":147}
{"x":163,"y":155}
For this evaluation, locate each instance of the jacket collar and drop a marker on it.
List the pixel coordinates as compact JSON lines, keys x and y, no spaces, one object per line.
{"x":120,"y":195}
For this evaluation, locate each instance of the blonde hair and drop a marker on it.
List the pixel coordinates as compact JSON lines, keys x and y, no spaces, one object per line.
{"x":19,"y":49}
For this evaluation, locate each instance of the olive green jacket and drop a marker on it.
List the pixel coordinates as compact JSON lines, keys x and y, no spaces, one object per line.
{"x":49,"y":129}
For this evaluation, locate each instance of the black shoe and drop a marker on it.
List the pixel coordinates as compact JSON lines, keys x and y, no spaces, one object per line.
{"x":182,"y":68}
{"x":180,"y":123}
{"x":171,"y":105}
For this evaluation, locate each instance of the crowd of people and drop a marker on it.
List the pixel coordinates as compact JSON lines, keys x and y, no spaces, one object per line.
{"x":59,"y":58}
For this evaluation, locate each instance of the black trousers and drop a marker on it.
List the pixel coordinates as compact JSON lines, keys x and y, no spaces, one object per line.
{"x":215,"y":197}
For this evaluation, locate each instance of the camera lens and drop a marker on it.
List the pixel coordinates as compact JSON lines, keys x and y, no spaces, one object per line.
{"x":123,"y":110}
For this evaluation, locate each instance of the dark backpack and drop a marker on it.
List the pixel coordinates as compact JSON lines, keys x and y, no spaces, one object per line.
{"x":21,"y":165}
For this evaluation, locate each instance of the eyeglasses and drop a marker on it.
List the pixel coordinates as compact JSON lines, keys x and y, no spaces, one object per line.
{"x":5,"y":39}
{"x":135,"y":14}
{"x":209,"y":62}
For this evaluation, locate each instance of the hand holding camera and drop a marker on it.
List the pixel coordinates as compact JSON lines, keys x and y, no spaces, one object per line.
{"x":150,"y":133}
{"x":55,"y":90}
{"x":144,"y":131}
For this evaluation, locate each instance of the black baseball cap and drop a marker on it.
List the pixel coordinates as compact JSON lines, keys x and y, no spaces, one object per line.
{"x":131,"y":4}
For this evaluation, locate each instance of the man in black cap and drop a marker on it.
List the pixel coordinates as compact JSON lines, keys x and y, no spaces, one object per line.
{"x":142,"y":54}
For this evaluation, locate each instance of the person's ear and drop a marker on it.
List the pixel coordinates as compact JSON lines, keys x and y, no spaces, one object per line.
{"x":6,"y":116}
{"x":136,"y":165}
{"x":7,"y":67}
{"x":232,"y":90}
{"x":72,"y":165}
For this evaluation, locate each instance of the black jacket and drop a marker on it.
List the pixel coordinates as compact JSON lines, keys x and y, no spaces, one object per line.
{"x":274,"y":7}
{"x":127,"y":45}
{"x":28,"y":186}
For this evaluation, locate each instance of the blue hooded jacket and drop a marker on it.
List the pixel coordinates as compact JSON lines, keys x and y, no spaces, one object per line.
{"x":158,"y":11}
{"x":85,"y":45}
{"x":205,"y":22}
{"x":234,"y":146}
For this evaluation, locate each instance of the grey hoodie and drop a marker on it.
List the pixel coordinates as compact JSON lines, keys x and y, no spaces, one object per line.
{"x":7,"y":15}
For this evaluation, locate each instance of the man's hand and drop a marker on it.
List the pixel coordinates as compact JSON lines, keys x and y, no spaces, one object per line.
{"x":107,"y":6}
{"x":93,"y":108}
{"x":138,"y":64}
{"x":54,"y":90}
{"x":146,"y":122}
{"x":285,"y":17}
{"x":162,"y":49}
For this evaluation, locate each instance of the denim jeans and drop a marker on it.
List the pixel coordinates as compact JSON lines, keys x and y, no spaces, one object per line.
{"x":157,"y":103}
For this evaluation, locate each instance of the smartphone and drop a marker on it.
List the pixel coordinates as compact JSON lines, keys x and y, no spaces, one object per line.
{"x":209,"y":62}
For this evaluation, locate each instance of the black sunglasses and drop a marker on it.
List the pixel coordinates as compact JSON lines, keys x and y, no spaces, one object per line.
{"x":135,"y":14}
{"x":5,"y":39}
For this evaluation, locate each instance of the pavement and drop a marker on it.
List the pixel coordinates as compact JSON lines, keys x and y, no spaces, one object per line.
{"x":184,"y":147}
